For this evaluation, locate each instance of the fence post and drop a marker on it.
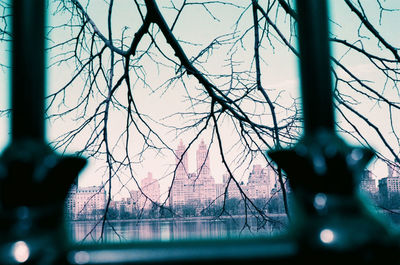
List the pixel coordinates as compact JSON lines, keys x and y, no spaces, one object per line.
{"x":330,"y":221}
{"x":34,"y":180}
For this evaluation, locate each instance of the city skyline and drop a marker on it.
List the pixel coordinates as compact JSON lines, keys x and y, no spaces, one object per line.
{"x":187,"y":166}
{"x":162,"y":167}
{"x":89,"y":202}
{"x":196,"y":187}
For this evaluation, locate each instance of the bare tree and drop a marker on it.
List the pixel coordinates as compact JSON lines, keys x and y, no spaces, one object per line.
{"x":118,"y":69}
{"x":5,"y":35}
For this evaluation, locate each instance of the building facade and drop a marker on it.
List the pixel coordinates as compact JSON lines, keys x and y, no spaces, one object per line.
{"x":86,"y":202}
{"x":258,"y":184}
{"x":200,"y":188}
{"x":390,"y":186}
{"x":150,"y":192}
{"x":368,"y":183}
{"x":197,"y":188}
{"x":180,"y":185}
{"x":233,"y":189}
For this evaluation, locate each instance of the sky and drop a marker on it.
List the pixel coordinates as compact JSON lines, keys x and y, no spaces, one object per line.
{"x":164,"y":103}
{"x":280,"y":71}
{"x":363,"y":68}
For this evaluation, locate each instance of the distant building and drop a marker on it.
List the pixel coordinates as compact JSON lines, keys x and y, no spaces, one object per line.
{"x":390,"y":185}
{"x":367,"y":183}
{"x":207,"y":188}
{"x":150,"y":192}
{"x":144,"y":198}
{"x":124,"y":208}
{"x":258,"y":184}
{"x":200,"y":189}
{"x":220,"y":192}
{"x":86,"y":202}
{"x":134,"y":197}
{"x":178,"y":190}
{"x":181,"y":160}
{"x":233,"y":190}
{"x":193,"y":188}
{"x":393,"y":170}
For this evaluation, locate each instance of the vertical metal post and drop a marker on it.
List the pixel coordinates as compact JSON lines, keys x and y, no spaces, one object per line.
{"x":28,"y":70}
{"x":316,"y":86}
{"x":34,"y":180}
{"x":322,"y":169}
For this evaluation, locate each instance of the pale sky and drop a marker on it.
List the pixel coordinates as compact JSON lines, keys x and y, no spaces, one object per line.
{"x":162,"y":104}
{"x":280,"y":72}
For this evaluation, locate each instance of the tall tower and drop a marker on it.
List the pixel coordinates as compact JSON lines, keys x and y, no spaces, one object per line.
{"x":150,"y":187}
{"x":259,"y":182}
{"x":205,"y":182}
{"x":179,"y":184}
{"x":203,"y":161}
{"x":181,"y":160}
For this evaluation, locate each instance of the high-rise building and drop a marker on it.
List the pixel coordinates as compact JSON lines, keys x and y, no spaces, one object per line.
{"x":367,"y":183}
{"x":393,"y":170}
{"x":181,"y":161}
{"x":177,"y":193}
{"x":86,"y":202}
{"x":233,"y":190}
{"x":150,"y":192}
{"x":192,"y":188}
{"x":203,"y":161}
{"x":206,"y":182}
{"x":200,"y":188}
{"x":391,"y":184}
{"x":134,"y":196}
{"x":258,"y":184}
{"x":220,"y":192}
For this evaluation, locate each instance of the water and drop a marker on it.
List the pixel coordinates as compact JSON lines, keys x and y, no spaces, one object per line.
{"x":183,"y":229}
{"x":170,"y":229}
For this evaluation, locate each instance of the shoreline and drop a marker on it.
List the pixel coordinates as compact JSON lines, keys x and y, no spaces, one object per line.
{"x":180,"y":219}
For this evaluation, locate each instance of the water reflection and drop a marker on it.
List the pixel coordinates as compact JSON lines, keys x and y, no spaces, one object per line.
{"x":172,"y":229}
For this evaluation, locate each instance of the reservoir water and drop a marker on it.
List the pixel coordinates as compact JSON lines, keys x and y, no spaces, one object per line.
{"x":169,"y":229}
{"x":173,"y":229}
